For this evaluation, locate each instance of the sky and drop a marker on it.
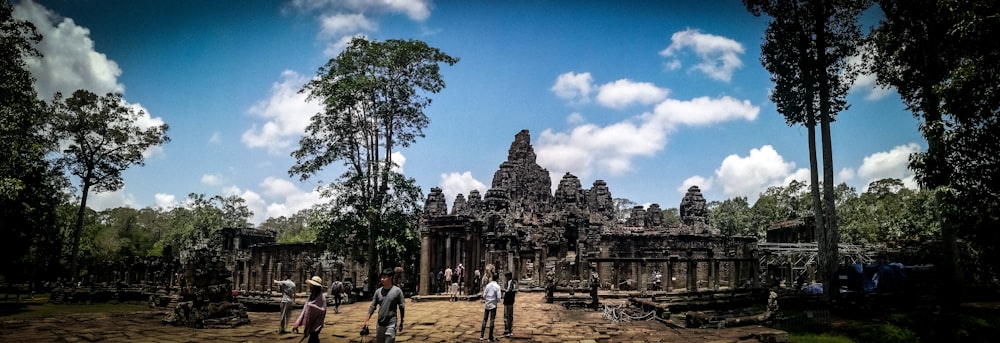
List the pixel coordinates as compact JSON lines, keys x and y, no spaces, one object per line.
{"x":650,"y":96}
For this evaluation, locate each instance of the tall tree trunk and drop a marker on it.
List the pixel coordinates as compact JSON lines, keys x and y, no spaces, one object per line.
{"x":77,"y":232}
{"x":817,"y":204}
{"x":830,"y":240}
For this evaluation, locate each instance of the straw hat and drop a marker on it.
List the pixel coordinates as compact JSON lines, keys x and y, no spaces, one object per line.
{"x":315,"y":281}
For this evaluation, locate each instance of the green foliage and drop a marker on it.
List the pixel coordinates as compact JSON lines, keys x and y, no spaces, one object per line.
{"x":671,"y":217}
{"x":104,"y":139}
{"x":374,"y":95}
{"x":733,"y":218}
{"x":880,"y":333}
{"x":292,"y":230}
{"x":30,"y":184}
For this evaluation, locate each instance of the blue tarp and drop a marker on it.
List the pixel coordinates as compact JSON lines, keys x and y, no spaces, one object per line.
{"x":877,"y":276}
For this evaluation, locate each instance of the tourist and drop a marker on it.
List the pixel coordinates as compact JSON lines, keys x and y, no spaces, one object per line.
{"x":287,"y":289}
{"x":313,"y":312}
{"x":447,"y":281}
{"x":387,"y":299}
{"x":508,"y":304}
{"x":459,"y":274}
{"x":491,"y":295}
{"x":474,"y":283}
{"x":440,"y":281}
{"x":337,"y":291}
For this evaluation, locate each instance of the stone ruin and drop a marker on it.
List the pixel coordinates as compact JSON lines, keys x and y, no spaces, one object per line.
{"x":521,"y":225}
{"x":204,"y":298}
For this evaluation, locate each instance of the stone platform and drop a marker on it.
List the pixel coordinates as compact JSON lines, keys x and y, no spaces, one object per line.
{"x":426,"y":321}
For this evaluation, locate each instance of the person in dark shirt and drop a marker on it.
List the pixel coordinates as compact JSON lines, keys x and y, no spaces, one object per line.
{"x":387,"y":299}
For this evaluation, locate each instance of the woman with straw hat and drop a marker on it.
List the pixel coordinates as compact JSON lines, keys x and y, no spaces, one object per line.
{"x":313,"y":312}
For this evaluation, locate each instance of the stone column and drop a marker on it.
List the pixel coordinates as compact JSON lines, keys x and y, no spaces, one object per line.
{"x":448,"y":258}
{"x":425,"y":263}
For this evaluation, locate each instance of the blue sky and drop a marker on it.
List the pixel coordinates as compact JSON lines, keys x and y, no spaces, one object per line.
{"x":650,"y":96}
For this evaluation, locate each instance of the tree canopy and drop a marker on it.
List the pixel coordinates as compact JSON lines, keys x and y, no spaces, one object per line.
{"x":104,"y":139}
{"x":374,"y":95}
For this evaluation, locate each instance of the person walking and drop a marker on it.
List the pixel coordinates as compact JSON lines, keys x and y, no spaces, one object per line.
{"x":387,"y":299}
{"x":508,"y":304}
{"x":447,"y":281}
{"x":313,"y":312}
{"x":491,"y":295}
{"x":337,"y":292}
{"x":287,"y":289}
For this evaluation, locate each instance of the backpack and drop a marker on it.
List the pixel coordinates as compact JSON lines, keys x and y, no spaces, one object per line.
{"x":337,"y":287}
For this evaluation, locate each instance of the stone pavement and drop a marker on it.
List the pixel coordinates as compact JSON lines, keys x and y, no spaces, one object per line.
{"x":426,"y":321}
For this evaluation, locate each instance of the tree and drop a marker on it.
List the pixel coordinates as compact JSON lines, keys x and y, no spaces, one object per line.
{"x":623,"y":209}
{"x":732,"y":217}
{"x":103,"y":140}
{"x":374,"y":95}
{"x":806,"y":48}
{"x":671,"y":217}
{"x":933,"y":53}
{"x":30,"y":184}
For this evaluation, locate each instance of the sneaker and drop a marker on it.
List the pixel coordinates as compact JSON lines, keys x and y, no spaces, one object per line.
{"x":480,"y":338}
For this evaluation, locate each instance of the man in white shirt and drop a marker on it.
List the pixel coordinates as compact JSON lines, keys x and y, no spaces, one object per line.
{"x":491,"y":295}
{"x":287,"y":289}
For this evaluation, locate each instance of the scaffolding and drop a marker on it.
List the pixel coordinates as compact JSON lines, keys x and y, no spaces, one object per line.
{"x":782,"y":263}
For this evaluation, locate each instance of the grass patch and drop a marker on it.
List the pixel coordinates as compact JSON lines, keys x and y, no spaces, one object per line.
{"x":39,"y":307}
{"x":818,"y":338}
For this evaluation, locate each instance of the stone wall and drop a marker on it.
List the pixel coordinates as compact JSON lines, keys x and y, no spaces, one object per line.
{"x":522,"y":225}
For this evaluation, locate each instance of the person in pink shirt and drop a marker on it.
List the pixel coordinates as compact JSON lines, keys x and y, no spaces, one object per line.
{"x":313,"y":312}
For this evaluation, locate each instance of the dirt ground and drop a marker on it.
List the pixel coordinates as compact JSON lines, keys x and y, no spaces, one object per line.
{"x":425,"y":321}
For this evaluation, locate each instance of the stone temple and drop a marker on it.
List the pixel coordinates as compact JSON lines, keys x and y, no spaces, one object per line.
{"x":520,"y":225}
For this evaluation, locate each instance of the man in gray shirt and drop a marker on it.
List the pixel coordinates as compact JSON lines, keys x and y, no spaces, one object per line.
{"x":287,"y":289}
{"x":387,"y":299}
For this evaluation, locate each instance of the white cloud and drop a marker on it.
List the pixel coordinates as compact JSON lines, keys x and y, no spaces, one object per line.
{"x":889,"y":164}
{"x":215,"y":138}
{"x":702,"y":111}
{"x":453,"y":184}
{"x":625,"y":92}
{"x":749,"y":176}
{"x":165,"y":201}
{"x":340,"y":20}
{"x":867,"y":82}
{"x":107,"y":200}
{"x":575,"y":118}
{"x":70,"y":61}
{"x":212,"y":179}
{"x":703,"y":183}
{"x":339,"y":24}
{"x":589,"y":149}
{"x":286,"y":113}
{"x":573,"y":87}
{"x":287,"y":198}
{"x":720,"y":56}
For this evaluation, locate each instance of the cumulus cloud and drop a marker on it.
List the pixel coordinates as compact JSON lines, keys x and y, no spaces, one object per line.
{"x":165,"y":201}
{"x":70,"y":61}
{"x":453,"y":184}
{"x":107,"y":200}
{"x":866,"y":82}
{"x":889,"y":164}
{"x":339,"y":24}
{"x":588,"y":148}
{"x":625,"y":92}
{"x":702,"y":111}
{"x":418,"y":10}
{"x":720,"y":56}
{"x":703,"y":183}
{"x":573,"y":87}
{"x":212,"y":179}
{"x":752,"y":174}
{"x":286,"y":113}
{"x":341,"y":20}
